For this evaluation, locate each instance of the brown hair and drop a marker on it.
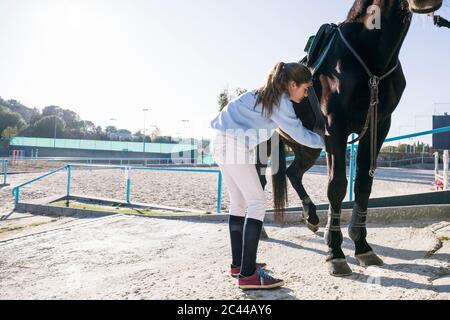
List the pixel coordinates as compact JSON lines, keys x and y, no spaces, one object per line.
{"x":277,"y":84}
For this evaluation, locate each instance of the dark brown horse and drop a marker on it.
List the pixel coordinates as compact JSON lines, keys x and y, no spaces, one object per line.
{"x":350,"y":105}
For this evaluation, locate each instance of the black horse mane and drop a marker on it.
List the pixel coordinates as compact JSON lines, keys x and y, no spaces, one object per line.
{"x":359,"y":10}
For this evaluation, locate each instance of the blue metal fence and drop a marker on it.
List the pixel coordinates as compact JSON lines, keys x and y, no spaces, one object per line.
{"x":68,"y":168}
{"x":353,"y":154}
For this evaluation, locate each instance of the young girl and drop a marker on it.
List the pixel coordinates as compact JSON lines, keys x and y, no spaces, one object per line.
{"x":244,"y":123}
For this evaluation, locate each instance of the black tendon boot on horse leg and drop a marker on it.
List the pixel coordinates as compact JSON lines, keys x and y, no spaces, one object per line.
{"x":295,"y":173}
{"x":363,"y":187}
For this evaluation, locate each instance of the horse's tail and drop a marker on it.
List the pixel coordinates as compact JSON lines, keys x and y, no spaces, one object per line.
{"x":279,"y":184}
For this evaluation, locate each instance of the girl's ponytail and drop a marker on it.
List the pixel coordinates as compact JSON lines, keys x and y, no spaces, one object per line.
{"x":277,"y":84}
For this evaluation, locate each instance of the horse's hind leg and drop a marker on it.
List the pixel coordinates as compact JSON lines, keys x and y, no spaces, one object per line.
{"x":295,"y":174}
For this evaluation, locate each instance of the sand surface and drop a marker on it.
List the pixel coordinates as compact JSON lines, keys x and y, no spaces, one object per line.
{"x":123,"y":257}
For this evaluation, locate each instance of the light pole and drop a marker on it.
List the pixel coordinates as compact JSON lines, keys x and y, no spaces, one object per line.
{"x":112,"y":119}
{"x":143,"y":138}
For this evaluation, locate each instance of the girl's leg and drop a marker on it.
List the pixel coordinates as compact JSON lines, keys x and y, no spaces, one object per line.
{"x":247,"y":180}
{"x":237,"y":217}
{"x":245,"y":177}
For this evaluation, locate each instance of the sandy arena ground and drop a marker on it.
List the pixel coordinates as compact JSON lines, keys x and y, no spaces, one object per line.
{"x":123,"y":257}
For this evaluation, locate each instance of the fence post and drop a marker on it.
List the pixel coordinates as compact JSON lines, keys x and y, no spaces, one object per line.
{"x":219,"y":194}
{"x":436,"y":170}
{"x":436,"y":163}
{"x":445,"y":169}
{"x":69,"y":173}
{"x":16,"y":196}
{"x":127,"y":177}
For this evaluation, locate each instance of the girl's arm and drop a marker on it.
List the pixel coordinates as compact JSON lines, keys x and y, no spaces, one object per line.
{"x":286,"y":119}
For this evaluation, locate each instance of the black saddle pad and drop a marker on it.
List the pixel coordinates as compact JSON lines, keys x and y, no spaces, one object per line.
{"x":318,"y":44}
{"x":317,"y":50}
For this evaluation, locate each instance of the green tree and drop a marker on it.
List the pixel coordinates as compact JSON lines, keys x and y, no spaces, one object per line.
{"x":89,"y":129}
{"x":240,"y":91}
{"x":73,"y":123}
{"x":163,"y":139}
{"x":52,"y":111}
{"x":155,"y":134}
{"x":36,"y":115}
{"x":16,"y":106}
{"x":223,"y":99}
{"x":7,"y":134}
{"x":9,"y":118}
{"x":45,"y":127}
{"x":100,"y":134}
{"x":110,"y":130}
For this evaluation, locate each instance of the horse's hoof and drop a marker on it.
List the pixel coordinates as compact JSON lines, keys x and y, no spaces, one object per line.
{"x":313,"y":228}
{"x":339,"y":268}
{"x":369,"y":259}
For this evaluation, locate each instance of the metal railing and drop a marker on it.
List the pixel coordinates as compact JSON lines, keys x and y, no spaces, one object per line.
{"x":407,"y":161}
{"x":16,"y":189}
{"x":128,"y":169}
{"x":353,"y":154}
{"x":145,"y":161}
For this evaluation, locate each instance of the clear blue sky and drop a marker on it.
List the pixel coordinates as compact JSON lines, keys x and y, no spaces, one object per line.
{"x":110,"y":59}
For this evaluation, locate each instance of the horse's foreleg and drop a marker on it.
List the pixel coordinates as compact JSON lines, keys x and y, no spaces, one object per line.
{"x":295,"y":174}
{"x":363,"y":188}
{"x":337,"y":187}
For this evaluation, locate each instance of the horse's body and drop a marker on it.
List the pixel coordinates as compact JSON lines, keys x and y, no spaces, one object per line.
{"x":341,"y":84}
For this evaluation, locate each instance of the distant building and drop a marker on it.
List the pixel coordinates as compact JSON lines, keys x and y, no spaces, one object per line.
{"x":441,"y":141}
{"x":48,"y":147}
